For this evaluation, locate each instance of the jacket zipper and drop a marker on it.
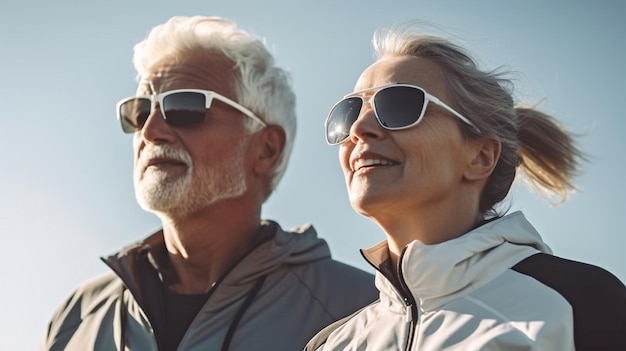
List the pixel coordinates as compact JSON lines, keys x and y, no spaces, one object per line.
{"x":406,"y":295}
{"x":409,"y":301}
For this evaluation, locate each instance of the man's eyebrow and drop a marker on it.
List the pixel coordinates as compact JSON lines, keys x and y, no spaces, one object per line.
{"x":145,"y":88}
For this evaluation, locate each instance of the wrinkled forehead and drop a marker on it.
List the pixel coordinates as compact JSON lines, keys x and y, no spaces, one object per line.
{"x":193,"y":71}
{"x":403,"y":69}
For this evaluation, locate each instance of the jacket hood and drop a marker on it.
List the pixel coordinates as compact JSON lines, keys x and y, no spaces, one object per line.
{"x":284,"y":248}
{"x":294,"y":247}
{"x":438,"y":274}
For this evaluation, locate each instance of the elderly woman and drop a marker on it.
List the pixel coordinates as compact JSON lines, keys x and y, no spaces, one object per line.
{"x":429,"y":145}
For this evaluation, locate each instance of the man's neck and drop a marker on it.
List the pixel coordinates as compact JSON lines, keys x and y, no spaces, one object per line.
{"x":205,"y":246}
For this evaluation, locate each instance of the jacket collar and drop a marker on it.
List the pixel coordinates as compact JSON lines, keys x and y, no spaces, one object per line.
{"x":438,"y":274}
{"x":276,"y":247}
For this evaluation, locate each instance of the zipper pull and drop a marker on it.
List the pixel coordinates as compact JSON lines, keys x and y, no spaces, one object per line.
{"x":409,"y":310}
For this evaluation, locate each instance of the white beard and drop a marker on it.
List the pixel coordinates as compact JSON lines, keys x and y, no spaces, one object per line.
{"x":158,"y":192}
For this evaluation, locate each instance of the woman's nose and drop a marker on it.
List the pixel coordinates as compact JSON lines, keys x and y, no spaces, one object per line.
{"x":366,"y":126}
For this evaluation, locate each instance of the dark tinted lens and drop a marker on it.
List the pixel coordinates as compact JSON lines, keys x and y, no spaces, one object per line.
{"x":398,"y":106}
{"x":341,"y":118}
{"x":134,"y":113}
{"x":184,"y":109}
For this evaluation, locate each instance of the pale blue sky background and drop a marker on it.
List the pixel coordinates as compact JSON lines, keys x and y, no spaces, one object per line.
{"x":66,"y":194}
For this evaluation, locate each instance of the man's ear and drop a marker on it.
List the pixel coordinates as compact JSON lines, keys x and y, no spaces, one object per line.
{"x":271,"y":143}
{"x":485,"y":153}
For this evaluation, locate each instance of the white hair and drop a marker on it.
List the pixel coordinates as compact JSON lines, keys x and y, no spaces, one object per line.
{"x":259,"y":85}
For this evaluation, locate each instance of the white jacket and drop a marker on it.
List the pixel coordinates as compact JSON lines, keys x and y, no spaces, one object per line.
{"x":470,"y":294}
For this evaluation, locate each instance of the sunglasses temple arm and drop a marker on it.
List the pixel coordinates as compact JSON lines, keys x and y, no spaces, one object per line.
{"x":452,"y":111}
{"x":240,"y":108}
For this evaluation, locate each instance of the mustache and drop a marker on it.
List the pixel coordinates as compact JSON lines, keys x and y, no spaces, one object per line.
{"x":150,"y":153}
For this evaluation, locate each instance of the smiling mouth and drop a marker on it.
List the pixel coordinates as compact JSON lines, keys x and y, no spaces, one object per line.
{"x":364,"y":164}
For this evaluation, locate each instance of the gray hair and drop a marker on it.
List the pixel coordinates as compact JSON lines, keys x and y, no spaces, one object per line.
{"x":259,"y":85}
{"x":531,"y":141}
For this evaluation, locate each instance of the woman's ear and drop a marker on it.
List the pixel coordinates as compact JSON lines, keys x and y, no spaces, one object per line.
{"x":485,"y":153}
{"x":271,"y":144}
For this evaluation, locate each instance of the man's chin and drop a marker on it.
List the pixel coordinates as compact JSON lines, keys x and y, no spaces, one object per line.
{"x":154,"y":205}
{"x":160,"y":196}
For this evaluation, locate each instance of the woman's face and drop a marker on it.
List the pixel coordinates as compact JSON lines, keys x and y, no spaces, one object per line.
{"x":416,"y":171}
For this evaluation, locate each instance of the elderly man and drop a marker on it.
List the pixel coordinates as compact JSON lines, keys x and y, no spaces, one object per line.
{"x":213,"y":125}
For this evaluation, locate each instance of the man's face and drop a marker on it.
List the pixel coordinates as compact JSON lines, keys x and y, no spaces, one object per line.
{"x":179,"y":171}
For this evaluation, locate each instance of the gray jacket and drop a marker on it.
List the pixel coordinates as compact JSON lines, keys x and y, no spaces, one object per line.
{"x":292,"y":286}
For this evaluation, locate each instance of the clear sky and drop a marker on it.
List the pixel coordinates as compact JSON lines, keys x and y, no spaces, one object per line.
{"x":66,"y":194}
